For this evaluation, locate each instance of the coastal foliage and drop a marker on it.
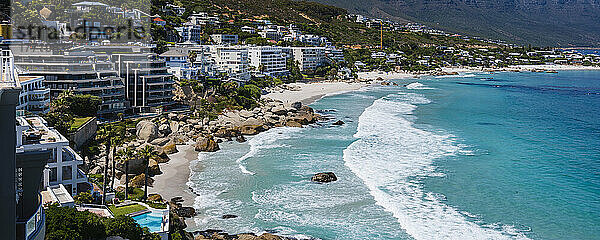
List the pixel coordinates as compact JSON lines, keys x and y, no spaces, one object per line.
{"x":69,"y":223}
{"x":68,"y":106}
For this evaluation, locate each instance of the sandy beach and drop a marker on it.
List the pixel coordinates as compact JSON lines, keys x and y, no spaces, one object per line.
{"x":173,"y":181}
{"x":383,"y":75}
{"x":310,"y":92}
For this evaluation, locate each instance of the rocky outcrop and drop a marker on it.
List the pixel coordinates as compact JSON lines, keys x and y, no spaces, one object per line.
{"x":220,"y":235}
{"x":338,"y":123}
{"x":324,"y":177}
{"x":138,"y":181}
{"x":206,"y":144}
{"x":186,"y":212}
{"x":146,"y":130}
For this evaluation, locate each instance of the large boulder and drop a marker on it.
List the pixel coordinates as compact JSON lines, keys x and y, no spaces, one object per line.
{"x":170,"y":148}
{"x":138,"y":181}
{"x":160,"y":141}
{"x":164,"y":129}
{"x":153,"y":168}
{"x":186,"y":212}
{"x":297,"y":105}
{"x":174,"y":126}
{"x":292,"y":123}
{"x":146,"y":130}
{"x":324,"y":177}
{"x":251,"y":129}
{"x":338,"y":123}
{"x":206,"y":144}
{"x":279,"y":110}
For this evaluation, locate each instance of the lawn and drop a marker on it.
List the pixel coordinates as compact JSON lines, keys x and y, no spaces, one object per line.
{"x":77,"y":122}
{"x":117,"y":211}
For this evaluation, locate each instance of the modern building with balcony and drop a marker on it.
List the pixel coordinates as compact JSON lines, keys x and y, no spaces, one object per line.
{"x":62,"y":167}
{"x":308,"y":58}
{"x":268,"y":60}
{"x":148,"y":83}
{"x":21,"y":214}
{"x":34,"y":97}
{"x":231,"y":62}
{"x":81,"y":73}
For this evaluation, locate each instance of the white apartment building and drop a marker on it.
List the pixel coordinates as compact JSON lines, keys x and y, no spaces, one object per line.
{"x":231,"y":61}
{"x":268,"y":60}
{"x":34,"y":135}
{"x":224,"y":39}
{"x":334,"y":54}
{"x":34,"y":97}
{"x":190,"y":33}
{"x":308,"y":58}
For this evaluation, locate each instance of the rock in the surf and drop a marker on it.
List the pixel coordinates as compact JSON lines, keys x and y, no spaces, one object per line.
{"x":339,"y":123}
{"x":206,"y":144}
{"x":324,"y":177}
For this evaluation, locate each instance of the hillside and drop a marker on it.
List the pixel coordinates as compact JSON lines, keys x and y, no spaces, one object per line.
{"x":536,"y":22}
{"x":315,"y":18}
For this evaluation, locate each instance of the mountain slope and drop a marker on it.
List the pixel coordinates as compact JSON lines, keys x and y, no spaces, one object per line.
{"x":536,"y":22}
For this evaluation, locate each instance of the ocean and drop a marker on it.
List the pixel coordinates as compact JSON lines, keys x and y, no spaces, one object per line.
{"x":475,"y":156}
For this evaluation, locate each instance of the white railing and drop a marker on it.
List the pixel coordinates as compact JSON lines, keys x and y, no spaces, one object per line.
{"x":8,"y":74}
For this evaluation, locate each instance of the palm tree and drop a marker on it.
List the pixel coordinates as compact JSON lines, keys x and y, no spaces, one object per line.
{"x":105,"y":136}
{"x":126,"y":155}
{"x":115,"y":141}
{"x":146,"y":153}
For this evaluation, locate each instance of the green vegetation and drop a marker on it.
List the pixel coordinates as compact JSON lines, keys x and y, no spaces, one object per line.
{"x":83,"y":198}
{"x":69,"y":109}
{"x":124,"y":210}
{"x":68,"y":223}
{"x":78,"y":122}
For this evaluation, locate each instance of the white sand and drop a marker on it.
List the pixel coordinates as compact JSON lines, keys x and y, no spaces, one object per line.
{"x":175,"y":174}
{"x":310,"y":92}
{"x":383,"y":75}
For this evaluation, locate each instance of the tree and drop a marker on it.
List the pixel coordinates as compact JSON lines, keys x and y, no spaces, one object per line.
{"x":84,"y":197}
{"x":81,"y":105}
{"x":68,"y":223}
{"x":146,"y":153}
{"x":126,"y":155}
{"x":105,"y":136}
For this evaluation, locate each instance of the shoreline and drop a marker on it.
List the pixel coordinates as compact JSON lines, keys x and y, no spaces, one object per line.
{"x":175,"y":176}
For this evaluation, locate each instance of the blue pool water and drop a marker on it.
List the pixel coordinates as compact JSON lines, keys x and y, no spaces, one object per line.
{"x":478,"y":156}
{"x":150,"y":220}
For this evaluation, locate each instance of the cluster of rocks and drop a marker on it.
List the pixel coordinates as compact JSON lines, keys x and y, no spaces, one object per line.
{"x":211,"y":234}
{"x":281,"y":88}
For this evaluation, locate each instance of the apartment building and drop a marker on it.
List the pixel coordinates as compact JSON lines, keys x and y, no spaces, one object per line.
{"x":81,"y":73}
{"x":224,"y":39}
{"x":148,"y":84}
{"x":308,"y":58}
{"x":34,"y":135}
{"x":268,"y":60}
{"x":177,"y":60}
{"x":230,"y":62}
{"x":190,"y":33}
{"x":34,"y":97}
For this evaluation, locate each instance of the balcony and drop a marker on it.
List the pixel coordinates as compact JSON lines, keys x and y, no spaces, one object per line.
{"x":33,"y":228}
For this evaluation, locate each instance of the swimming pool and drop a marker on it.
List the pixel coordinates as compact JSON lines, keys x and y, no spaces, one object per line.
{"x":151,"y":220}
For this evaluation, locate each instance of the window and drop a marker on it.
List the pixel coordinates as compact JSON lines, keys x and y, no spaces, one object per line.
{"x":67,"y":173}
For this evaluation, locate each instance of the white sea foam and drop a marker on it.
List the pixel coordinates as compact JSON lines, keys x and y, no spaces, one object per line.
{"x":265,"y":140}
{"x":417,"y":86}
{"x":391,"y":155}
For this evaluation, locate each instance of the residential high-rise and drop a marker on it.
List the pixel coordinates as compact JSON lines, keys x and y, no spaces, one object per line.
{"x":268,"y":60}
{"x":81,"y":73}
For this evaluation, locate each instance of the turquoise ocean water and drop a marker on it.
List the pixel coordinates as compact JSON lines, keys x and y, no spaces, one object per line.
{"x":478,"y":156}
